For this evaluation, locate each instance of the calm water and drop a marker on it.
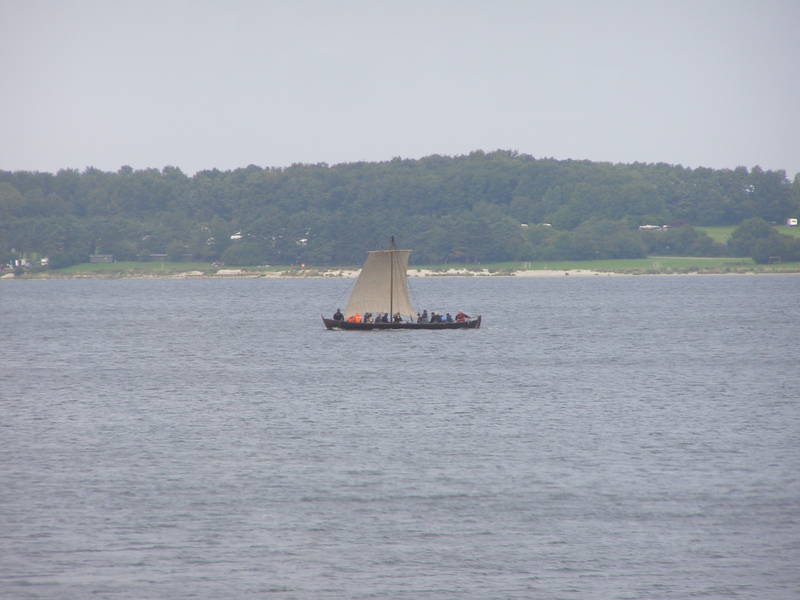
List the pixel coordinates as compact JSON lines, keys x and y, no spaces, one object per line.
{"x":598,"y":438}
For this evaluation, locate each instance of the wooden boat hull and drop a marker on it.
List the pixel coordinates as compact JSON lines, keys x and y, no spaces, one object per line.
{"x":347,"y":326}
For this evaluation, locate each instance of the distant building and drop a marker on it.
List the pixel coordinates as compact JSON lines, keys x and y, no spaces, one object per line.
{"x":791,"y":222}
{"x":101,"y":258}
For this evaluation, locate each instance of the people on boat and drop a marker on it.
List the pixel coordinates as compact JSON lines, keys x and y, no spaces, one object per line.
{"x":385,"y":317}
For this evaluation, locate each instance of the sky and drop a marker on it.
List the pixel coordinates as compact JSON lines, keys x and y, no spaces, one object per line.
{"x":202,"y":84}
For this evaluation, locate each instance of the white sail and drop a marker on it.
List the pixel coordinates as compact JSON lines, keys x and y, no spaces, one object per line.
{"x":382,"y":287}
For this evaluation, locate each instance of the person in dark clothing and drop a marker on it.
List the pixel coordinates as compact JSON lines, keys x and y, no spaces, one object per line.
{"x":338,"y":316}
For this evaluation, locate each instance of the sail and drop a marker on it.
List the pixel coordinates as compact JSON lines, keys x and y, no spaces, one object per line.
{"x":381,"y":287}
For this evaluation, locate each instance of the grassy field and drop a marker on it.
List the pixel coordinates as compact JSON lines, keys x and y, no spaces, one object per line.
{"x":723,"y":233}
{"x":123,"y":269}
{"x":155,"y":269}
{"x":718,"y":234}
{"x":650,"y":265}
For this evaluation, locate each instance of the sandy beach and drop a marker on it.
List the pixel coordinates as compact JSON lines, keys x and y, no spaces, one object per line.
{"x":420,"y":273}
{"x":353,"y":274}
{"x":416,"y":273}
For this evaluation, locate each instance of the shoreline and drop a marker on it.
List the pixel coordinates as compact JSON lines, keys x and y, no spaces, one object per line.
{"x":353,"y":273}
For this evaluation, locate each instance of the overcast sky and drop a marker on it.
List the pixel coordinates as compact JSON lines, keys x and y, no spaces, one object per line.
{"x":222,"y":84}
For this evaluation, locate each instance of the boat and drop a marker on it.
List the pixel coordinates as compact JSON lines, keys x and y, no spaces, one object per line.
{"x":382,"y":287}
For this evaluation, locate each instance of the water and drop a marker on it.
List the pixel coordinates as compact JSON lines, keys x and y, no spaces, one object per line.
{"x":632,"y":437}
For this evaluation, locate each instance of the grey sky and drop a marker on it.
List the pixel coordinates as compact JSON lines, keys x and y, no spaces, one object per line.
{"x":201,"y":84}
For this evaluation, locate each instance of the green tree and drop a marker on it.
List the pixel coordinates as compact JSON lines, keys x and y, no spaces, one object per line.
{"x":244,"y":254}
{"x":777,"y":248}
{"x":459,"y":208}
{"x":681,"y":241}
{"x":12,"y":204}
{"x":743,"y":240}
{"x":176,"y":251}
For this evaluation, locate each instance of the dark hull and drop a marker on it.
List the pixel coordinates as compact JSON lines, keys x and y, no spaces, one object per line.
{"x":344,"y":325}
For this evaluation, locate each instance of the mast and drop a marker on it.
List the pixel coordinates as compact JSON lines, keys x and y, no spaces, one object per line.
{"x":377,"y":278}
{"x":392,"y":248}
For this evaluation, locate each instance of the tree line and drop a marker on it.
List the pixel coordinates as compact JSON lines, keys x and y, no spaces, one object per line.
{"x":480,"y":207}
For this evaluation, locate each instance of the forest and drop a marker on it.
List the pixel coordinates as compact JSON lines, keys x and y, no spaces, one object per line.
{"x":480,"y":207}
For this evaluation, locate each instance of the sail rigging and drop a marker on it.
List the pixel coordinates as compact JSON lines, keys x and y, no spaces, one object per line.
{"x":382,"y":285}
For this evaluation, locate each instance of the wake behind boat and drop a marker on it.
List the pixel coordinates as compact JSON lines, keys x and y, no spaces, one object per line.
{"x":379,"y":299}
